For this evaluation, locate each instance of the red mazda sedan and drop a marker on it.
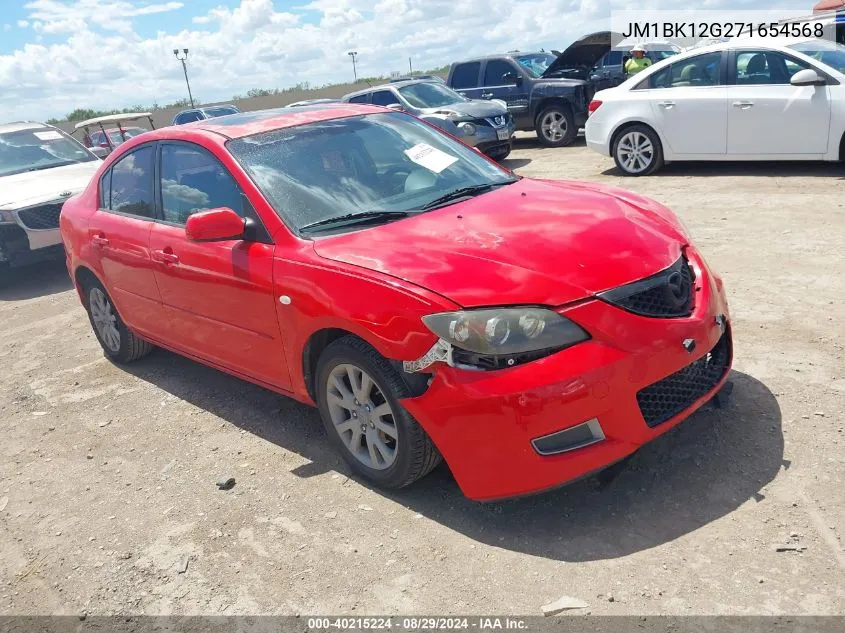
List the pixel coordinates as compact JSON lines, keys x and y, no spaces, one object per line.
{"x":429,"y":302}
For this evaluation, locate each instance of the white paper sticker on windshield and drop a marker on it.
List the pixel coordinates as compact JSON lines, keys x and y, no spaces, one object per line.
{"x":430,"y":157}
{"x":50,"y":135}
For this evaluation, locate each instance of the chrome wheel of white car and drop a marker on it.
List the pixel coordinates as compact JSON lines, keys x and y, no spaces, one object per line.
{"x":362,"y":416}
{"x":105,"y":320}
{"x":637,"y":151}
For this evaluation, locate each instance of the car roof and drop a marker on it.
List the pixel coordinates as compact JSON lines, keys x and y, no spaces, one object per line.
{"x":392,"y":85}
{"x":511,"y":54}
{"x":17,"y":126}
{"x":258,"y":121}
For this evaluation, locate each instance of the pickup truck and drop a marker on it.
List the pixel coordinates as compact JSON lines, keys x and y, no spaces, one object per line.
{"x":545,"y":92}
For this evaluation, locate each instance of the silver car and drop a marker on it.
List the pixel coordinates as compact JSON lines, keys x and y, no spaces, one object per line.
{"x":40,"y":168}
{"x":485,"y":125}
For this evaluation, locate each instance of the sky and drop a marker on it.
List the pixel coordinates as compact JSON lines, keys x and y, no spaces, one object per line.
{"x":59,"y":55}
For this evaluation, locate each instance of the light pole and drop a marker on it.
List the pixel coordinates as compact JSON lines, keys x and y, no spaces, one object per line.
{"x":185,"y":68}
{"x":353,"y":55}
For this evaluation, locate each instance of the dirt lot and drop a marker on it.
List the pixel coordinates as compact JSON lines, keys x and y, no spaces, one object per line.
{"x":107,"y":477}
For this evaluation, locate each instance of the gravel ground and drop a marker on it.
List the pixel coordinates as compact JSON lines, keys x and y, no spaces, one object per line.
{"x":108,"y":502}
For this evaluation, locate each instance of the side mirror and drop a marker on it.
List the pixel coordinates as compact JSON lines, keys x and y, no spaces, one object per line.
{"x":214,"y":225}
{"x":511,"y":78}
{"x":807,"y":77}
{"x":99,"y":152}
{"x":395,"y":106}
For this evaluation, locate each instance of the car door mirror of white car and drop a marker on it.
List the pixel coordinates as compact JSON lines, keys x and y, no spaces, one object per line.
{"x":396,"y":106}
{"x":807,"y":77}
{"x":99,"y":152}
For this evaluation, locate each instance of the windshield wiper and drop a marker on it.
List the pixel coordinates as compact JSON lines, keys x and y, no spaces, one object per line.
{"x":463,"y":192}
{"x":51,"y":165}
{"x":355,"y":219}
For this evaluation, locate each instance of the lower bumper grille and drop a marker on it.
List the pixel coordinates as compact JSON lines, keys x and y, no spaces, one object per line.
{"x":45,"y":216}
{"x":667,"y":398}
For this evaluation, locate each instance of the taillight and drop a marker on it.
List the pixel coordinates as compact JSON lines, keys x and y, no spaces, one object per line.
{"x":594,"y":105}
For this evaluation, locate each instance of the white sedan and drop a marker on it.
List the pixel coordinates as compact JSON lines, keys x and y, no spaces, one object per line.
{"x":739,"y":100}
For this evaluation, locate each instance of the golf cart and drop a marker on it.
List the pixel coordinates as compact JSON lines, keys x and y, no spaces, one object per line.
{"x":102,"y":140}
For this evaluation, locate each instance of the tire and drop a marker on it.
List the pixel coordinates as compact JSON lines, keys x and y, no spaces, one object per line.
{"x":502,"y":155}
{"x":119,"y":344}
{"x":555,"y":126}
{"x":641,"y":138}
{"x":409,"y":452}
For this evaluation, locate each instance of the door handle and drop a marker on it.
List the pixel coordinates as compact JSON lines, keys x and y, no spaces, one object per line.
{"x":165,"y":257}
{"x":743,"y":104}
{"x":99,"y":240}
{"x":486,"y":95}
{"x":666,"y":104}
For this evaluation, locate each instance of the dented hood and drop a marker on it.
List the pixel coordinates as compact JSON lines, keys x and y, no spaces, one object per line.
{"x":532,"y":242}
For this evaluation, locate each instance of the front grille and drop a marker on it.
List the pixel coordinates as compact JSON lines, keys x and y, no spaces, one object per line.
{"x":668,"y":294}
{"x":496,"y":122}
{"x":668,"y":397}
{"x":45,"y":216}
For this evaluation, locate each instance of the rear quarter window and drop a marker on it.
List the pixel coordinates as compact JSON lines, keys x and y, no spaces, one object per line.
{"x":465,"y":75}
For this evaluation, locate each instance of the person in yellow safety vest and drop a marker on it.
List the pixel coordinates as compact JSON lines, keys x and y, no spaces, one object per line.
{"x":638,"y":60}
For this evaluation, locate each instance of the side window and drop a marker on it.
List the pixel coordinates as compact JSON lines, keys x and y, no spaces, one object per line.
{"x":193,"y":180}
{"x":466,"y":75}
{"x":495,"y":70}
{"x":105,"y":190}
{"x":613,"y":58}
{"x":698,"y":71}
{"x":384,"y":98}
{"x":765,"y":67}
{"x":364,"y":98}
{"x":132,"y":183}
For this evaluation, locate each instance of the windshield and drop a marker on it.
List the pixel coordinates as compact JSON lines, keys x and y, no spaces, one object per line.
{"x":661,"y":54}
{"x":430,"y":95}
{"x":39,"y":148}
{"x":128,"y":132}
{"x":377,"y":162}
{"x":535,"y":64}
{"x":824,"y":51}
{"x":220,"y":111}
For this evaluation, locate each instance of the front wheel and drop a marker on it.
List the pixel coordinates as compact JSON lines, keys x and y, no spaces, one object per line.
{"x":637,"y":151}
{"x":118,"y":341}
{"x":358,"y":393}
{"x":555,"y":126}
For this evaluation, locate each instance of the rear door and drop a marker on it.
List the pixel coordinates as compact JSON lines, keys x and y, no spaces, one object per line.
{"x":218,"y":296}
{"x":689,"y":104}
{"x":767,"y":115}
{"x":465,"y":78}
{"x":119,"y":233}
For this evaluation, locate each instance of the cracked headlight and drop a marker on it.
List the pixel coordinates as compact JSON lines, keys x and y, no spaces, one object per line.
{"x":491,"y":338}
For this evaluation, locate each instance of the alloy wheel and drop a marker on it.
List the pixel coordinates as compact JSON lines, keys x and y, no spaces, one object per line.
{"x":554,"y":126}
{"x":105,"y":319}
{"x":635,"y":152}
{"x":362,"y":416}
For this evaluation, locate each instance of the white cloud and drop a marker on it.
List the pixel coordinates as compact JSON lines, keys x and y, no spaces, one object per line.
{"x":101,"y":62}
{"x":23,"y":24}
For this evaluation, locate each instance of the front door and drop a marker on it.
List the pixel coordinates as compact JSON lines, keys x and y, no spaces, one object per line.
{"x":119,"y":236}
{"x":767,"y":114}
{"x":503,"y":80}
{"x":689,"y":105}
{"x":218,"y":296}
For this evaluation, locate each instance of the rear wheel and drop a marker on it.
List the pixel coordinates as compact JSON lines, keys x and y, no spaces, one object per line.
{"x":358,"y":393}
{"x":117,"y":341}
{"x":555,"y":126}
{"x":637,"y":151}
